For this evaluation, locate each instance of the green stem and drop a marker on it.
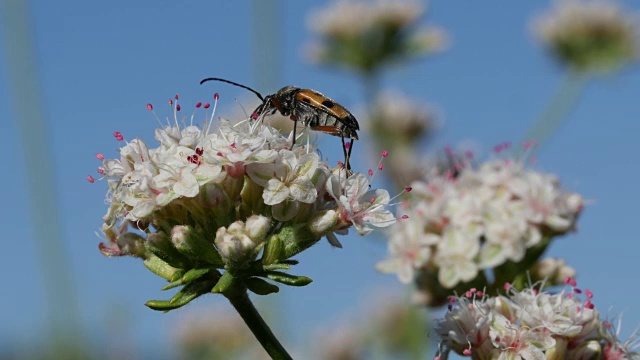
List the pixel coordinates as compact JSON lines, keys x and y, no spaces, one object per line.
{"x":240,"y":300}
{"x":558,"y":109}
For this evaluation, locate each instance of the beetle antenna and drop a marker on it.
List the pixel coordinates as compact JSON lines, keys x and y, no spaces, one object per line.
{"x":233,"y":83}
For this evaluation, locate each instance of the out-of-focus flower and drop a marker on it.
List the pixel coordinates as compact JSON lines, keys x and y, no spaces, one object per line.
{"x":364,"y":35}
{"x":401,"y":120}
{"x":553,"y":270}
{"x":209,"y":208}
{"x":497,"y":216}
{"x":214,"y":334}
{"x":530,"y":324}
{"x":590,"y":35}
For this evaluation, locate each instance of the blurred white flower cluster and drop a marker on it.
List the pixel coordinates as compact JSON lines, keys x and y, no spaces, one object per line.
{"x":470,"y":219}
{"x":218,"y":197}
{"x":530,"y":324}
{"x":590,"y":34}
{"x":362,"y":35}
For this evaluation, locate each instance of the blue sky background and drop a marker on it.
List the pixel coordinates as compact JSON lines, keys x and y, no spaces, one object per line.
{"x":100,"y":64}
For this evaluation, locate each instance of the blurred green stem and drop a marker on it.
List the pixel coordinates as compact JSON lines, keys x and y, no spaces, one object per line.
{"x":371,"y":84}
{"x":558,"y":109}
{"x":32,"y":130}
{"x":239,"y":298}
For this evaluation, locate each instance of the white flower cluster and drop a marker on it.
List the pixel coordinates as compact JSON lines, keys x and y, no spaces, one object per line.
{"x":364,"y":34}
{"x":478,"y":219}
{"x":530,"y":324}
{"x":590,"y":33}
{"x":354,"y":18}
{"x":217,"y":182}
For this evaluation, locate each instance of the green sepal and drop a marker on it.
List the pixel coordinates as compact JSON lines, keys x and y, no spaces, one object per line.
{"x":224,"y":283}
{"x":288,"y":279}
{"x":279,"y":266}
{"x":273,"y":250}
{"x":161,"y":268}
{"x":260,"y":287}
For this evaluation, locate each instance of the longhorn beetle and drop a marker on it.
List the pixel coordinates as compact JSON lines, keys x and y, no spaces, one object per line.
{"x":311,"y":108}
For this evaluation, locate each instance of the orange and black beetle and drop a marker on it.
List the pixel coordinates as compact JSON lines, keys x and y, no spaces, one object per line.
{"x":311,"y":108}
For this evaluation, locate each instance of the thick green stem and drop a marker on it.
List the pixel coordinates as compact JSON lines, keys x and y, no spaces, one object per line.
{"x":558,"y":109}
{"x":240,"y":300}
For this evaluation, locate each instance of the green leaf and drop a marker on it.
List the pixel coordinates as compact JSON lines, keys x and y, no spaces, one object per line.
{"x":288,"y":279}
{"x":188,"y":277}
{"x":279,"y":266}
{"x":161,"y":268}
{"x":260,"y":287}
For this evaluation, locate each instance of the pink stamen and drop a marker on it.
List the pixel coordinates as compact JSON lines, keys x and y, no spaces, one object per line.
{"x":577,"y":291}
{"x":452,"y":299}
{"x":149,"y":107}
{"x":90,"y":179}
{"x":588,"y":293}
{"x":372,"y":200}
{"x":405,"y":217}
{"x":198,"y":105}
{"x":254,"y":116}
{"x":480,"y":294}
{"x":100,"y":171}
{"x":347,"y":145}
{"x":118,"y":135}
{"x":99,"y":156}
{"x":473,"y":290}
{"x":385,"y":153}
{"x":370,"y":172}
{"x":589,"y":305}
{"x":408,"y":189}
{"x":177,"y":97}
{"x":569,"y":296}
{"x":207,"y":105}
{"x":450,"y":307}
{"x":468,"y":294}
{"x":381,"y":166}
{"x":216,"y":96}
{"x":170,"y":101}
{"x":340,"y":163}
{"x":507,"y":286}
{"x":178,"y":107}
{"x":466,"y":352}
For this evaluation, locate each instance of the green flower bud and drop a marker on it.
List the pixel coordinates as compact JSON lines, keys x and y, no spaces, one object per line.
{"x":193,"y":245}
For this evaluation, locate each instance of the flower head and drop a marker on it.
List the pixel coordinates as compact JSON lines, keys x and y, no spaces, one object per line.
{"x":529,"y":324}
{"x":481,"y":218}
{"x":211,"y":205}
{"x":364,"y":35}
{"x":589,"y":35}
